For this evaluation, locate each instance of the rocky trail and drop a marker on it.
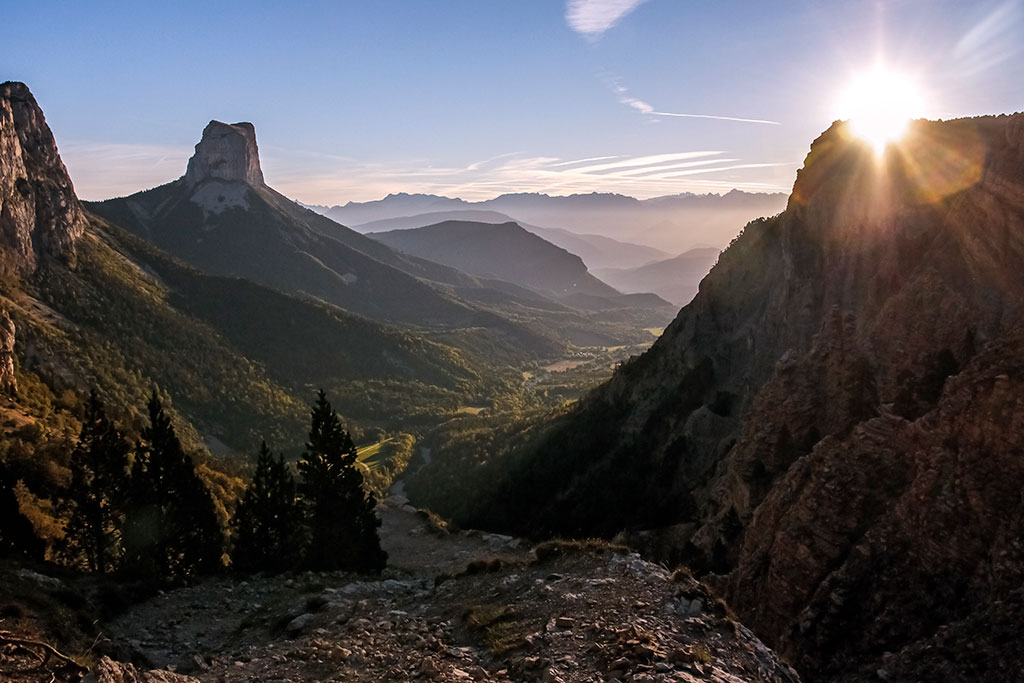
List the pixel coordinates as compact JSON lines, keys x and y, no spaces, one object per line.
{"x":450,"y":607}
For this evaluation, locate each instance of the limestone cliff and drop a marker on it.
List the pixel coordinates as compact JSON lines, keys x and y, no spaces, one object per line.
{"x":40,"y":217}
{"x":226,"y":152}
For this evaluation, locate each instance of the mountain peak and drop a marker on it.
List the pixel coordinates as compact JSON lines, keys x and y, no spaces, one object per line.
{"x":227,"y":151}
{"x":40,"y":216}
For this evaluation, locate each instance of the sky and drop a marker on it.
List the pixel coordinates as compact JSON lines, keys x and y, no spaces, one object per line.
{"x":475,"y":98}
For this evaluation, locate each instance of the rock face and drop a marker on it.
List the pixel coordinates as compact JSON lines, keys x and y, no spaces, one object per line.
{"x":833,"y":425}
{"x":40,"y":216}
{"x":8,"y":383}
{"x":226,"y":152}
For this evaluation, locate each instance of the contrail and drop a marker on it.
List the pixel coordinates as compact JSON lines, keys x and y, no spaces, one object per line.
{"x":709,"y":116}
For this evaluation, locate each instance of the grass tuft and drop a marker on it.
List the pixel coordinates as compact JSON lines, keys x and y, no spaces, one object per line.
{"x":559,"y":547}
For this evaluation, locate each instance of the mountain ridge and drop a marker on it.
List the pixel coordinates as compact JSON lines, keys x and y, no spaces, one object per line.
{"x":597,"y":251}
{"x":675,"y":279}
{"x":504,"y":251}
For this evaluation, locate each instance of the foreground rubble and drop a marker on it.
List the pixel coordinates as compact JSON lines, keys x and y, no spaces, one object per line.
{"x":451,"y":607}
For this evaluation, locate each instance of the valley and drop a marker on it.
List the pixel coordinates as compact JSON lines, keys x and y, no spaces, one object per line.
{"x":572,"y":342}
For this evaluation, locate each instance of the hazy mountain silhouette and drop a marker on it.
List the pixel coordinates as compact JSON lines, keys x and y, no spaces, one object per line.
{"x":503,"y":251}
{"x":597,"y":251}
{"x":675,"y":279}
{"x":673,"y":224}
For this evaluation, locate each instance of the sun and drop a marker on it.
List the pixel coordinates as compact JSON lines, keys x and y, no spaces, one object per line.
{"x":880,"y":105}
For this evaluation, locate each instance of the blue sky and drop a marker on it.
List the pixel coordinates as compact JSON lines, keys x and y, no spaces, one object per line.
{"x":472,"y":98}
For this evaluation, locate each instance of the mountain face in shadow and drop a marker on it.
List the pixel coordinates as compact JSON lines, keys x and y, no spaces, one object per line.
{"x":597,"y":251}
{"x":831,"y":428}
{"x":675,"y":279}
{"x":503,"y":251}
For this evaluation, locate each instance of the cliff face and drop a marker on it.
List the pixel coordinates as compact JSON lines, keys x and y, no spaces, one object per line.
{"x":831,"y":424}
{"x":226,"y":152}
{"x":40,"y":216}
{"x":8,"y":381}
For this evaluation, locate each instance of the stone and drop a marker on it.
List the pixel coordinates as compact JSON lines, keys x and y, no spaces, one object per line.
{"x":478,"y":673}
{"x":551,"y":676}
{"x":109,"y":671}
{"x":620,"y":664}
{"x":429,"y":668}
{"x":299,"y":624}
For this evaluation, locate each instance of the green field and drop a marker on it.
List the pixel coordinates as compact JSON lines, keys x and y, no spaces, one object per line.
{"x":373,"y":456}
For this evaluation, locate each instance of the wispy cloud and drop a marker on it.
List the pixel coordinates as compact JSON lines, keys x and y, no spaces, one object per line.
{"x":651,"y":160}
{"x":592,"y":18}
{"x":101,"y":171}
{"x":477,"y":165}
{"x":587,"y":160}
{"x":991,"y":41}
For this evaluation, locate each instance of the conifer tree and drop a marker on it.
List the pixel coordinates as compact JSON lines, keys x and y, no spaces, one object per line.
{"x":267,"y":522}
{"x":17,"y":535}
{"x":99,"y":480}
{"x":171,"y":527}
{"x":340,"y":516}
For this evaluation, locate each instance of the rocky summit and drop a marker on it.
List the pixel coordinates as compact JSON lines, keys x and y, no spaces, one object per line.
{"x":226,"y":152}
{"x":40,"y":216}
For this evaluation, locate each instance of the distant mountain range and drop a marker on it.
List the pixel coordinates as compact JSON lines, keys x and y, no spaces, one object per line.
{"x":597,"y":251}
{"x":672,"y":224}
{"x":675,"y":279}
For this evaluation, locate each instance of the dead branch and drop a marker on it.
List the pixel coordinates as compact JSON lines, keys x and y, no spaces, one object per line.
{"x":11,"y":639}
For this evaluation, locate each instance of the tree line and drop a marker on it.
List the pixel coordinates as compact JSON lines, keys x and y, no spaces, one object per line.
{"x":142,"y":509}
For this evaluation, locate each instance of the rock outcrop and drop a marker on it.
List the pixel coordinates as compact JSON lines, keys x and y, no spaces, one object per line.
{"x":226,"y":152}
{"x":40,"y":216}
{"x":833,"y":425}
{"x":8,"y":383}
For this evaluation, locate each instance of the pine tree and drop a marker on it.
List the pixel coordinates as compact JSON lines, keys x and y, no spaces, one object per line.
{"x":171,"y":528}
{"x":17,"y":535}
{"x":267,"y":522}
{"x":340,"y":516}
{"x":99,"y":480}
